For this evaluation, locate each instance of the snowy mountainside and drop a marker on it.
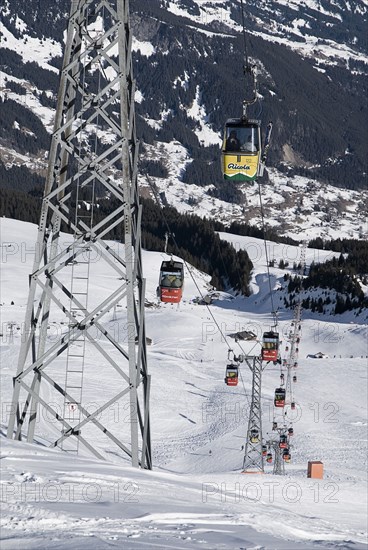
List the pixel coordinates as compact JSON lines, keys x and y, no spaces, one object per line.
{"x":297,"y":24}
{"x":290,"y":255}
{"x":196,"y":496}
{"x":294,"y":206}
{"x":312,"y":58}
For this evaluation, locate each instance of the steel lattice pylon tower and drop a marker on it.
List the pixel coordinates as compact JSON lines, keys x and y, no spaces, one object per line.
{"x":253,"y":458}
{"x":279,"y":464}
{"x":93,"y":154}
{"x":274,"y":444}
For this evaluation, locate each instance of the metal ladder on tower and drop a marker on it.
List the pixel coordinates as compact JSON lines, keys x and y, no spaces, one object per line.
{"x":75,"y":360}
{"x":79,"y":283}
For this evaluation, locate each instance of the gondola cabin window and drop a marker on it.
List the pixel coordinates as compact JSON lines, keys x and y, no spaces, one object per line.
{"x":242,"y":140}
{"x":171,"y":282}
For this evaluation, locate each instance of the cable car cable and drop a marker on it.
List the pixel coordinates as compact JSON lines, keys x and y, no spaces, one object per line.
{"x":248,"y":68}
{"x":185,"y":263}
{"x":244,"y":34}
{"x":251,"y":70}
{"x":195,"y":282}
{"x":245,"y":392}
{"x":273,"y":312}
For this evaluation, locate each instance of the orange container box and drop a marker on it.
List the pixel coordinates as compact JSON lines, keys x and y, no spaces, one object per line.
{"x":315,"y":469}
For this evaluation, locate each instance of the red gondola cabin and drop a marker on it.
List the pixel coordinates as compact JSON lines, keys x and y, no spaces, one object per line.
{"x":232,"y":374}
{"x":283,"y":443}
{"x":171,"y":281}
{"x":279,"y":400}
{"x":270,"y":346}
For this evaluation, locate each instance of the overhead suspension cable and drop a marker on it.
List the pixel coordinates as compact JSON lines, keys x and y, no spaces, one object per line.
{"x":245,"y":392}
{"x":273,"y":312}
{"x":186,"y":264}
{"x":244,"y":35}
{"x":193,"y":278}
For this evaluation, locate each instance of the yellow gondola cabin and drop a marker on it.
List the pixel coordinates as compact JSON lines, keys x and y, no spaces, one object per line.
{"x":241,"y":149}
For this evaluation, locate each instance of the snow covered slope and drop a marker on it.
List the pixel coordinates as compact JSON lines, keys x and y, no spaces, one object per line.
{"x":196,"y":496}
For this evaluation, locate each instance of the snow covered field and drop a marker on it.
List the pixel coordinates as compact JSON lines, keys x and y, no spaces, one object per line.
{"x":196,"y":496}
